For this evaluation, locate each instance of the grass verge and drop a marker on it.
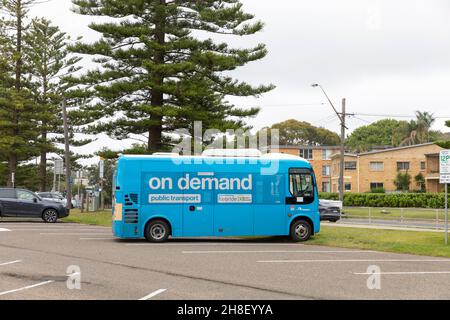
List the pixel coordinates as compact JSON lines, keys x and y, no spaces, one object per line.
{"x":413,"y":242}
{"x":101,"y":218}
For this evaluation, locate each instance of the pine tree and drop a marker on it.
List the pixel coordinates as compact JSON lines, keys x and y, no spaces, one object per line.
{"x":17,"y":108}
{"x":6,"y":85}
{"x":158,"y":74}
{"x":50,"y":62}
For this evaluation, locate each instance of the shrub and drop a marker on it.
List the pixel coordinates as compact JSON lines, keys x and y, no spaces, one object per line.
{"x":394,"y":200}
{"x":378,"y":190}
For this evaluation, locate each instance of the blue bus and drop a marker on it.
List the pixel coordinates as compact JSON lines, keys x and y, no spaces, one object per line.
{"x":162,"y":196}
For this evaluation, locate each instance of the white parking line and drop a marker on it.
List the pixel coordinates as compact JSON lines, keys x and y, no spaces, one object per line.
{"x":212,"y":244}
{"x":90,"y":239}
{"x":277,"y":251}
{"x":26,"y":288}
{"x":151,"y":295}
{"x":4,"y":230}
{"x":73,"y":234}
{"x":62,"y":229}
{"x":402,"y":273}
{"x":353,"y":260}
{"x":10,"y":262}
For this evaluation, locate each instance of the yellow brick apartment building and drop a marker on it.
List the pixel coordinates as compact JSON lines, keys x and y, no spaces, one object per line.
{"x":320,"y":159}
{"x":378,"y":169}
{"x":370,"y":170}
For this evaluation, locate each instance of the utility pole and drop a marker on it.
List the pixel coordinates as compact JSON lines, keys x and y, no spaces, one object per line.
{"x":342,"y":117}
{"x":67,"y":154}
{"x":342,"y":168}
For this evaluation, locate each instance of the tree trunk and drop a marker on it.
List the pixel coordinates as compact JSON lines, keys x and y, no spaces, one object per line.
{"x":157,"y":100}
{"x":155,"y":137}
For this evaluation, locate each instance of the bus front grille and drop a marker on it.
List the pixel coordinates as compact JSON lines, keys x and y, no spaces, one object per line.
{"x":131,"y":216}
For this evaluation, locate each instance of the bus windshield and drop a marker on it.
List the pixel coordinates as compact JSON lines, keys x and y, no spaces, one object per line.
{"x":301,"y":185}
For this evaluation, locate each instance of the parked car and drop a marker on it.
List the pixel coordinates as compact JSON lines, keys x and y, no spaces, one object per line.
{"x":330,"y":210}
{"x":22,"y":203}
{"x":53,"y":196}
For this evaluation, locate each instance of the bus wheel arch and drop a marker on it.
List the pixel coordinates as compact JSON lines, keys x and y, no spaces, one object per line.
{"x":303,"y":223}
{"x":157,"y":229}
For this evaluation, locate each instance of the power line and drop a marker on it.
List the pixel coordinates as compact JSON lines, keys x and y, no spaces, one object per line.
{"x":287,"y":105}
{"x":395,"y":115}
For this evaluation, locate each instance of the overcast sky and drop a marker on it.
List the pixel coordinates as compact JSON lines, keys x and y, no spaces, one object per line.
{"x":386,"y":57}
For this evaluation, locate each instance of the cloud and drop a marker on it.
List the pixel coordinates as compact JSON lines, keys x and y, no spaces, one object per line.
{"x":383,"y":55}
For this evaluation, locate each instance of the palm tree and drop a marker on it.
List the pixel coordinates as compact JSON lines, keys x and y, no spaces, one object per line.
{"x":424,"y":122}
{"x":419,"y":129}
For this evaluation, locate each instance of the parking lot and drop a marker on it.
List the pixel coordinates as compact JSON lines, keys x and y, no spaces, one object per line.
{"x":34,"y":261}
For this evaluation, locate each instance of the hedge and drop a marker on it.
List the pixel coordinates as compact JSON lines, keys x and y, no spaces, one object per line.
{"x":390,"y":200}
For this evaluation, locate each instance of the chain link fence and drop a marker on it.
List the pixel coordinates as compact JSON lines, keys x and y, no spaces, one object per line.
{"x":397,"y":217}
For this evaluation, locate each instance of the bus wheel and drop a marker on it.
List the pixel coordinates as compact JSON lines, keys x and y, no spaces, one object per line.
{"x":157,"y":231}
{"x":301,"y":231}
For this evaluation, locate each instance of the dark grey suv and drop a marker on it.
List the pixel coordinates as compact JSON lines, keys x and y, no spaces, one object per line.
{"x":22,"y":203}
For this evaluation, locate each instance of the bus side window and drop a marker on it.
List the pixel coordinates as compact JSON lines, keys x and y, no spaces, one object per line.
{"x":269,"y":189}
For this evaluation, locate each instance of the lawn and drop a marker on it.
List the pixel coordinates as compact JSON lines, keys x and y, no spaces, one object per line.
{"x":101,"y":218}
{"x":414,"y":242}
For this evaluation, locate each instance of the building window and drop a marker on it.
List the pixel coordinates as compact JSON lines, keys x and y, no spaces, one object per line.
{"x":326,"y":154}
{"x":423,"y":165}
{"x":348,"y":187}
{"x":326,"y":171}
{"x":350,"y":165}
{"x":377,"y":166}
{"x":402,"y":166}
{"x":306,"y":154}
{"x":376,"y":185}
{"x":326,"y":187}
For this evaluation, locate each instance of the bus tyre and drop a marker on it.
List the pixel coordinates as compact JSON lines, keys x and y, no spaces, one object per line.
{"x":157,"y":231}
{"x":50,"y":216}
{"x":301,"y":231}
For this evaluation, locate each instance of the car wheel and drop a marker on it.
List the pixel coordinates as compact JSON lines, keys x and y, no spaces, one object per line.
{"x":157,"y":231}
{"x":301,"y":231}
{"x":50,"y":216}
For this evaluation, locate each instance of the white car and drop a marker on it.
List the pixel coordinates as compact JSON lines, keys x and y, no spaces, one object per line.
{"x":53,"y":196}
{"x":330,"y":210}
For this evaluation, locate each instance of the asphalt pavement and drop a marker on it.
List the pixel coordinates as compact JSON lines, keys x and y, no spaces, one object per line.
{"x":43,"y":261}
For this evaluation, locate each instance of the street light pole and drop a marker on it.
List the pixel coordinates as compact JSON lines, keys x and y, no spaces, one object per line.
{"x":342,"y":117}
